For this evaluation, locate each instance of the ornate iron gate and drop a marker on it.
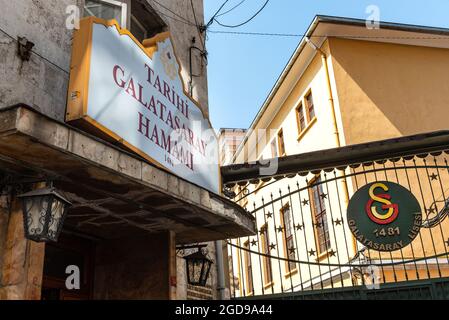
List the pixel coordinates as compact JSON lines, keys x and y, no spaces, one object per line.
{"x":304,"y":242}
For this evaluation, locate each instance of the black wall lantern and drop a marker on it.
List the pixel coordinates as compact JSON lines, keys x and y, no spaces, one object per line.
{"x":198,"y":268}
{"x":43,"y":214}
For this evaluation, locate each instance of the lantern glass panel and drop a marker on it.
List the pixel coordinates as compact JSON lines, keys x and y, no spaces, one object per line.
{"x":56,"y":218}
{"x":44,"y":211}
{"x":205,"y":274}
{"x":36,"y":212}
{"x":195,"y":270}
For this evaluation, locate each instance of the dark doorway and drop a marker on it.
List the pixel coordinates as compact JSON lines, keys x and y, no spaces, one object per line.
{"x":69,"y":250}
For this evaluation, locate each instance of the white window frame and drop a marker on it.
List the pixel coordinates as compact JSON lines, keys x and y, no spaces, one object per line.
{"x":124,"y":10}
{"x":276,"y":147}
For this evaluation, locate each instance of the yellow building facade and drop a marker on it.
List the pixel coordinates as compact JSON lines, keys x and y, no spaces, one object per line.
{"x":345,"y":84}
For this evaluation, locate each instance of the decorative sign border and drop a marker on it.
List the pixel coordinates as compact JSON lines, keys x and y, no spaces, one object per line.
{"x":88,"y":97}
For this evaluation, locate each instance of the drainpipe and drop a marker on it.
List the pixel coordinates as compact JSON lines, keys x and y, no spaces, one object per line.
{"x":329,"y":89}
{"x":220,"y":270}
{"x":334,"y":119}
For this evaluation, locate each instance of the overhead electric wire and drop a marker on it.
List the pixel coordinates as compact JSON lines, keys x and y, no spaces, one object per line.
{"x":328,"y":35}
{"x":245,"y":22}
{"x":184,"y":19}
{"x":211,"y":20}
{"x":173,"y":18}
{"x":256,"y":33}
{"x":234,"y":7}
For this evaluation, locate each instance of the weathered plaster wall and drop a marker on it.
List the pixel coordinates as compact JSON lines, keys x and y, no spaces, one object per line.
{"x":135,"y":268}
{"x":42,"y":81}
{"x":37,"y":82}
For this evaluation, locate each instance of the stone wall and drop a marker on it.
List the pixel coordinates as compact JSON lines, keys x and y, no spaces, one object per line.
{"x":42,"y":81}
{"x":21,"y":260}
{"x":186,"y":291}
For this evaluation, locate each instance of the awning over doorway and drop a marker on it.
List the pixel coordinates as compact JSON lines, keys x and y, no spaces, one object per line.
{"x":115,"y":193}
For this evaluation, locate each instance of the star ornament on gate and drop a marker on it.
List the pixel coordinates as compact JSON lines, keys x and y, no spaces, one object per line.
{"x":279,"y":229}
{"x":269,"y":215}
{"x":338,"y":222}
{"x":272,"y":246}
{"x":332,"y":253}
{"x":323,"y":196}
{"x":292,"y":250}
{"x":305,"y":202}
{"x":433,"y":176}
{"x":311,"y":252}
{"x":299,"y":226}
{"x":253,"y":243}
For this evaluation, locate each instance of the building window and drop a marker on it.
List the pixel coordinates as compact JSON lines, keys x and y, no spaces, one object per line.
{"x":136,"y":16}
{"x":145,"y":21}
{"x":281,"y":144}
{"x":248,"y":269}
{"x":309,"y":105}
{"x":289,"y":245}
{"x":138,"y":30}
{"x":319,"y":216}
{"x":106,"y":9}
{"x":274,"y":148}
{"x":300,"y":117}
{"x":267,"y":271}
{"x":305,"y":114}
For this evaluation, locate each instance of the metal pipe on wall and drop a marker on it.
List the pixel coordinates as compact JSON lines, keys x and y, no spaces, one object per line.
{"x":221,"y":287}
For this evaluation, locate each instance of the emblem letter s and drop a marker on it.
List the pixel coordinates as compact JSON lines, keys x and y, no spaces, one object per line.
{"x":371,"y":210}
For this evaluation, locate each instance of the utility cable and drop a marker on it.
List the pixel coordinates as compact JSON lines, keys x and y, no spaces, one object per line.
{"x":185,"y":20}
{"x":299,"y":35}
{"x":234,"y":7}
{"x":37,"y":54}
{"x":173,"y":18}
{"x":211,"y":20}
{"x":245,"y":22}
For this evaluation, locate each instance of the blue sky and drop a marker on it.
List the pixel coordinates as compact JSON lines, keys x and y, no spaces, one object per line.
{"x":242,"y":69}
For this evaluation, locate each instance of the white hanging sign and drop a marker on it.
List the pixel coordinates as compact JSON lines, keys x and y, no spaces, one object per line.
{"x":134,"y":94}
